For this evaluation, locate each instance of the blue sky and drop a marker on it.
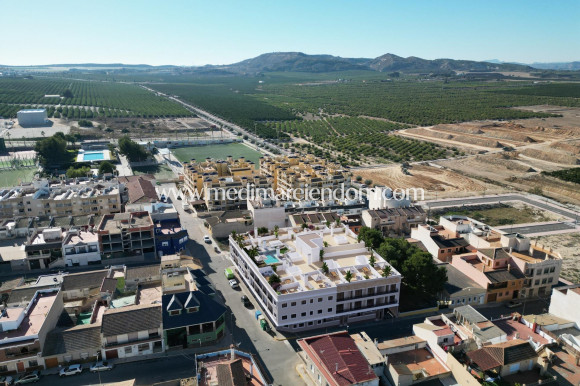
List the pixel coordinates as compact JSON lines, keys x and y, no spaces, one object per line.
{"x":195,"y":32}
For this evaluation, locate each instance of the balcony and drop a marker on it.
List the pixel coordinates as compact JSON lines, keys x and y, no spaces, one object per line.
{"x":19,"y":355}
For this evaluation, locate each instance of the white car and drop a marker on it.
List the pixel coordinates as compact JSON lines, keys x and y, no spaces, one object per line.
{"x":234,"y":283}
{"x":6,"y":380}
{"x":71,"y":370}
{"x":206,"y":240}
{"x":101,"y":366}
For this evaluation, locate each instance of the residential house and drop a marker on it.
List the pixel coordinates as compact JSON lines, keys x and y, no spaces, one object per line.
{"x":394,"y":221}
{"x":44,"y":249}
{"x":503,"y":359}
{"x":65,"y":346}
{"x":476,"y":326}
{"x":370,"y":351}
{"x":440,"y":242}
{"x":335,"y":360}
{"x":229,"y":368}
{"x":222,"y":223}
{"x":146,"y":274}
{"x":170,"y":237}
{"x":24,"y":327}
{"x":83,"y":284}
{"x":80,"y":248}
{"x":131,"y":331}
{"x":140,"y":190}
{"x":192,"y":319}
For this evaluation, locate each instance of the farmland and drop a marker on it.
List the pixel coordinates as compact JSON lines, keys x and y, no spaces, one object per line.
{"x":359,"y":140}
{"x":84,"y":100}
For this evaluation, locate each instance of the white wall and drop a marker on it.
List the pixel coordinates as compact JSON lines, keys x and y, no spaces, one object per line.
{"x":566,"y":305}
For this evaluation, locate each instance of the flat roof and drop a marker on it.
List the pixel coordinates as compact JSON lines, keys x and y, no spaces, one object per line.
{"x":32,"y":323}
{"x":545,"y":319}
{"x":412,"y":361}
{"x":400,"y":342}
{"x":113,"y":223}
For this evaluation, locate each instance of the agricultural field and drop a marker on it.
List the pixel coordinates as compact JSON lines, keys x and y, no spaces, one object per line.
{"x":200,"y":153}
{"x":358,"y":141}
{"x":84,"y":100}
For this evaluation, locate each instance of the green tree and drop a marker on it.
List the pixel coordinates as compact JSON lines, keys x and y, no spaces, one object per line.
{"x":358,"y":178}
{"x":67,"y":93}
{"x":372,"y":260}
{"x":387,"y":271}
{"x":273,"y":279}
{"x":348,"y":276}
{"x":321,"y":255}
{"x":371,"y":237}
{"x":106,"y":167}
{"x":324,"y":268}
{"x":131,"y":149}
{"x":52,"y":150}
{"x":83,"y":171}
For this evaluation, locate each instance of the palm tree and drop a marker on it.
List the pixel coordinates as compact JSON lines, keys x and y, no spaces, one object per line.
{"x":348,"y":276}
{"x":42,"y":133}
{"x":372,"y":260}
{"x":321,"y":255}
{"x":325,"y":268}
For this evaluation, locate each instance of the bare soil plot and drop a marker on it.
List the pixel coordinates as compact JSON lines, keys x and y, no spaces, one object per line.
{"x":437,"y":182}
{"x":499,"y":214}
{"x":567,"y":245}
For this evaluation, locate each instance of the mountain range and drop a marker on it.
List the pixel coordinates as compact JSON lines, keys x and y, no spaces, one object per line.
{"x":300,"y":62}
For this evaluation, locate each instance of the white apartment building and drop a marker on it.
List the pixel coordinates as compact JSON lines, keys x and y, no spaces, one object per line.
{"x":66,"y":198}
{"x":81,"y":248}
{"x":316,"y":289}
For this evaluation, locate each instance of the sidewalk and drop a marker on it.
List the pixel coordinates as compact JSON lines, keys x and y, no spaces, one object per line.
{"x":301,"y":370}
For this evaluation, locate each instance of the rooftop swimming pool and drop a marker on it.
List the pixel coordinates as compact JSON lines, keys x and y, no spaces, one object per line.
{"x":271,"y":259}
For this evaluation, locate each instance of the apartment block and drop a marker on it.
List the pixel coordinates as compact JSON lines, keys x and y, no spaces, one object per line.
{"x":126,"y":234}
{"x":210,"y":180}
{"x":291,"y":173}
{"x":306,"y":279}
{"x":64,"y":198}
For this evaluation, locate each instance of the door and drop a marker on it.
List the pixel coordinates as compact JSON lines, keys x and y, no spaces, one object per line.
{"x":20,"y":367}
{"x":111,"y":354}
{"x":51,"y":362}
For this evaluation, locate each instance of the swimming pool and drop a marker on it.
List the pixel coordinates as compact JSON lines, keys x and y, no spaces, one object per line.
{"x":271,"y":259}
{"x":94,"y":156}
{"x":90,"y":156}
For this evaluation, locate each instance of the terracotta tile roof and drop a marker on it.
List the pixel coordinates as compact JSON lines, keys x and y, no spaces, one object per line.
{"x":231,"y":374}
{"x":502,"y":354}
{"x":338,"y":357}
{"x":141,"y":190}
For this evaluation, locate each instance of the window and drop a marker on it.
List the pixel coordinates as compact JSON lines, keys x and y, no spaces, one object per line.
{"x":319,"y":300}
{"x":546,"y":270}
{"x":319,"y":311}
{"x":303,"y":314}
{"x":284,"y":305}
{"x":129,"y":350}
{"x":330,"y":310}
{"x":537,"y":282}
{"x":165,"y":243}
{"x":143,"y":347}
{"x":544,"y":281}
{"x":174,"y":312}
{"x":550,"y":279}
{"x":304,"y":302}
{"x":552,"y":269}
{"x":293,"y":316}
{"x":32,"y":363}
{"x":3,"y":368}
{"x":192,"y":309}
{"x":311,"y":301}
{"x":330,"y":298}
{"x":292,"y":304}
{"x":284,"y":317}
{"x":311,"y":313}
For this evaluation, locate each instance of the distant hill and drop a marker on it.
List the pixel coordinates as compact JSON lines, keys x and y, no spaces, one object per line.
{"x":571,"y":66}
{"x":298,"y":61}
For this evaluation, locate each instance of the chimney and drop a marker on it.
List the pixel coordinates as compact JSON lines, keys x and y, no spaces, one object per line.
{"x":232,"y":352}
{"x":509,"y":267}
{"x":534,"y":324}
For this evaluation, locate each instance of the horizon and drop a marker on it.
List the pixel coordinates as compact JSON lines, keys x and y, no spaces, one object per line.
{"x":198,"y":33}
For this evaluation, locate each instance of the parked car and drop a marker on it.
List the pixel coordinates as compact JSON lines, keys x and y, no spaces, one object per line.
{"x":31,"y":377}
{"x":229,"y":273}
{"x":101,"y":366}
{"x":70,"y":370}
{"x":513,"y":304}
{"x":206,"y":240}
{"x":217,"y":250}
{"x":234,"y":283}
{"x":6,"y":380}
{"x":246,"y":301}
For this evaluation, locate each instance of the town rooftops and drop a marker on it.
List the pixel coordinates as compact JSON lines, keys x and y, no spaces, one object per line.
{"x":470,"y":314}
{"x":8,"y":285}
{"x":502,"y":354}
{"x":80,"y":338}
{"x":113,"y":223}
{"x":545,"y":319}
{"x":503,"y":275}
{"x":416,"y":360}
{"x":231,"y":373}
{"x":443,"y":242}
{"x":338,"y":358}
{"x":196,"y":307}
{"x":27,"y":320}
{"x":144,"y":272}
{"x":404,"y":211}
{"x":78,"y":237}
{"x":495,"y":253}
{"x":400,"y":342}
{"x":141,"y":190}
{"x":368,"y":348}
{"x":129,"y":319}
{"x":82,"y":280}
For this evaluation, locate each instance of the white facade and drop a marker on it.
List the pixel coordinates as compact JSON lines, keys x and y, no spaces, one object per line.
{"x":307,"y":298}
{"x":80,"y":248}
{"x":32,"y":117}
{"x":564,"y":303}
{"x":383,"y":198}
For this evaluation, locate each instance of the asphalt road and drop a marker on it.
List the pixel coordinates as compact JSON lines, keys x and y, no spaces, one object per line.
{"x":540,"y":228}
{"x":278,"y":356}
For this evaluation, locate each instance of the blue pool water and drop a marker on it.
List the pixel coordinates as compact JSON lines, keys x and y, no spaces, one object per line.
{"x":271,"y":259}
{"x":93,"y":156}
